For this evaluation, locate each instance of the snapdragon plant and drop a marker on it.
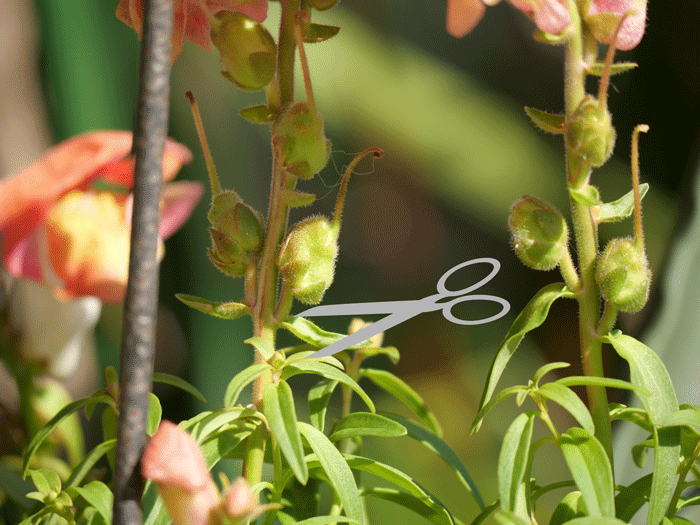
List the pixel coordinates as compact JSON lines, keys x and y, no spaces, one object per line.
{"x":284,"y":266}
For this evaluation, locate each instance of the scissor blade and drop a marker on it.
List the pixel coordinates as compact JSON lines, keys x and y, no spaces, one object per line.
{"x":385,"y":307}
{"x":365,"y":333}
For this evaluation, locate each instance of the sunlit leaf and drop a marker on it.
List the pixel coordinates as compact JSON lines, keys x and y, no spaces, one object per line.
{"x":178,"y":382}
{"x":241,"y":380}
{"x":546,"y":121}
{"x":319,"y":395}
{"x":310,"y":333}
{"x":513,"y":463}
{"x":217,"y":309}
{"x":567,"y":398}
{"x":99,"y":496}
{"x":619,"y":209}
{"x":410,"y":502}
{"x":366,"y":424}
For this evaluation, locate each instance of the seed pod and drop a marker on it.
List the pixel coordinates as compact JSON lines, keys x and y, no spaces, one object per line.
{"x":623,"y":275}
{"x":590,"y":132}
{"x":306,"y":258}
{"x":539,"y":233}
{"x":300,"y":141}
{"x":237,"y":233}
{"x":247,"y":50}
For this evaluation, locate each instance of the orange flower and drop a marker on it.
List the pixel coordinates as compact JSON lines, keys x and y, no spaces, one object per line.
{"x":190,"y":22}
{"x":58,"y":231}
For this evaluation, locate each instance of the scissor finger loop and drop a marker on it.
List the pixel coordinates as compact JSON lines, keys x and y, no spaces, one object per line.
{"x":447,"y":309}
{"x":445,"y":292}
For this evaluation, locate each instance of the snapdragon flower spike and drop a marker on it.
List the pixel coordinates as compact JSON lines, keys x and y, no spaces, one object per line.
{"x":190,"y":22}
{"x":551,"y":16}
{"x":58,"y":231}
{"x":604,"y":29}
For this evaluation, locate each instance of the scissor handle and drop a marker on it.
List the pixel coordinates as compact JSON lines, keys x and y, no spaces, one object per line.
{"x":447,"y":309}
{"x":444,"y":292}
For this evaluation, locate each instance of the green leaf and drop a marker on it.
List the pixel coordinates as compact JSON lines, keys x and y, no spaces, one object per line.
{"x":217,"y":309}
{"x":410,"y":502}
{"x":241,"y":380}
{"x":390,"y":351}
{"x":619,"y":209}
{"x":98,"y":495}
{"x":588,"y":196}
{"x":258,"y":114}
{"x":84,"y":467}
{"x":278,"y":407}
{"x":615,"y":69}
{"x":689,"y":417}
{"x":314,"y":335}
{"x":261,"y":345}
{"x":630,"y":499}
{"x":319,"y":395}
{"x":442,"y":449}
{"x":404,"y":393}
{"x":513,"y":463}
{"x":366,"y":424}
{"x":60,"y":416}
{"x":649,"y":373}
{"x":571,"y":506}
{"x":45,"y":481}
{"x":543,"y":370}
{"x":16,"y":488}
{"x":590,"y":468}
{"x":638,"y":416}
{"x":597,"y":381}
{"x":296,"y":199}
{"x":596,"y":520}
{"x":548,"y":38}
{"x":308,"y":366}
{"x":506,"y":517}
{"x":169,"y":379}
{"x":319,"y":33}
{"x":518,"y":390}
{"x":532,"y":316}
{"x":206,"y":424}
{"x":322,"y":520}
{"x":303,"y":354}
{"x":337,"y":470}
{"x":567,"y":398}
{"x":546,"y":121}
{"x":155,"y":412}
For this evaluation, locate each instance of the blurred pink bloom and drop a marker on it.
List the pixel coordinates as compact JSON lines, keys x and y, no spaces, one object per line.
{"x":57,"y":231}
{"x":190,"y":22}
{"x":632,"y":28}
{"x":550,"y":16}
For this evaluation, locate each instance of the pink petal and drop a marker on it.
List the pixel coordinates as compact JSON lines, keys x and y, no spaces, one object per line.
{"x":550,"y":16}
{"x":463,"y":15}
{"x":632,"y":29}
{"x":179,"y":199}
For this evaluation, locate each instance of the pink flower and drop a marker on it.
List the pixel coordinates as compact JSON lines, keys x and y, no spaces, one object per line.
{"x":58,"y":231}
{"x":190,"y":22}
{"x":551,"y":16}
{"x":632,"y":28}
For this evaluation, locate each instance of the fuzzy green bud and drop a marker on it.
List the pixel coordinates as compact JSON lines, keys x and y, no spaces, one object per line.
{"x":539,"y":233}
{"x":300,"y":141}
{"x":247,"y":50}
{"x":237,"y":233}
{"x":590,"y":132}
{"x":623,"y":275}
{"x":306,"y":258}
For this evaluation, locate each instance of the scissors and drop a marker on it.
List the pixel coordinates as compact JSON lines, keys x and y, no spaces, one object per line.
{"x":401,"y":311}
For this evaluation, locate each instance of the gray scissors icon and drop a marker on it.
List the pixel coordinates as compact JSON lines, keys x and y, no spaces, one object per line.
{"x":401,"y":311}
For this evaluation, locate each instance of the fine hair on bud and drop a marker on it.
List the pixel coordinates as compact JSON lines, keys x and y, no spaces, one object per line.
{"x":623,"y":275}
{"x":539,"y":233}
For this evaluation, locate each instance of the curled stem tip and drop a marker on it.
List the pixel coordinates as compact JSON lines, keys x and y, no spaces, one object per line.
{"x":638,"y":232}
{"x":605,"y":79}
{"x":377,"y":152}
{"x":213,"y":177}
{"x":299,"y":18}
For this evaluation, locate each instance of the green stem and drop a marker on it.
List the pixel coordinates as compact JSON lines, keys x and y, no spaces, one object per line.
{"x":586,"y":243}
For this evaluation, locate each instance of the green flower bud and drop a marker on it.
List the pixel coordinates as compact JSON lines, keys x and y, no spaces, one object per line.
{"x":623,"y":275}
{"x":539,"y":233}
{"x":247,"y":50}
{"x":306,"y":258}
{"x":300,"y":141}
{"x":322,"y":5}
{"x":590,"y":132}
{"x":237,"y":233}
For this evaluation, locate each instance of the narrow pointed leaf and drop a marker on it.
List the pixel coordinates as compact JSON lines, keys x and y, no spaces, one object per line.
{"x":596,"y":520}
{"x":278,"y":407}
{"x":169,"y":379}
{"x":597,"y":381}
{"x":297,"y":199}
{"x":513,"y":460}
{"x":532,"y":316}
{"x":319,"y":33}
{"x":588,"y":196}
{"x":442,"y":449}
{"x":310,"y":333}
{"x":83,"y":468}
{"x":590,"y":468}
{"x":261,"y":345}
{"x":323,"y":520}
{"x":241,"y":380}
{"x":206,"y":424}
{"x":155,"y":411}
{"x":308,"y":366}
{"x":688,"y":417}
{"x":258,"y":114}
{"x":506,"y":517}
{"x":567,"y":398}
{"x":404,"y":393}
{"x":337,"y":470}
{"x":630,"y":499}
{"x":546,"y":121}
{"x":98,"y":495}
{"x":410,"y":502}
{"x":619,"y":209}
{"x":544,"y":370}
{"x":319,"y":395}
{"x":615,"y":69}
{"x":366,"y":424}
{"x":571,"y":506}
{"x":217,"y":309}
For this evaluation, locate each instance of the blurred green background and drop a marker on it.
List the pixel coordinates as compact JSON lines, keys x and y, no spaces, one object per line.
{"x":459,"y":150}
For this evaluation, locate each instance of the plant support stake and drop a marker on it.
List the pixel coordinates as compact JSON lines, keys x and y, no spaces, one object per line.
{"x":141,"y":302}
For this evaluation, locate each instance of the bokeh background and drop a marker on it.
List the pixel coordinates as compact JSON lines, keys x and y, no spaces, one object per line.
{"x":459,"y":150}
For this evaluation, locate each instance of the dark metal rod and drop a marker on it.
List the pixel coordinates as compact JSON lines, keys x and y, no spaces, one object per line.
{"x":141,"y":302}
